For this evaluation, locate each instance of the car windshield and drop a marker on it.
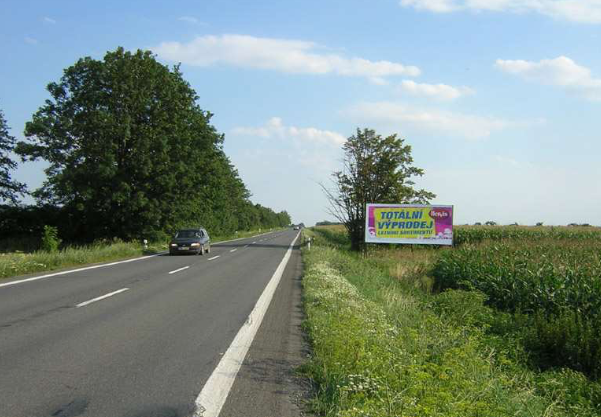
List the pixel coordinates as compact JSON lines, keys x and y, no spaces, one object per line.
{"x":187,"y":233}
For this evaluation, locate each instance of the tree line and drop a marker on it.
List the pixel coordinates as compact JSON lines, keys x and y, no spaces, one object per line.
{"x":131,"y":155}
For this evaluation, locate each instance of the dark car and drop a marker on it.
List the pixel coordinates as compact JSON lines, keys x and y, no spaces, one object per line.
{"x":194,"y":241}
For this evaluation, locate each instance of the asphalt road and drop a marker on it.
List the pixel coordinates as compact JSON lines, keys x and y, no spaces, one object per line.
{"x":149,"y":347}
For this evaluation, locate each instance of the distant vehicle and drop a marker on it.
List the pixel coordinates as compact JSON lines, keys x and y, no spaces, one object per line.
{"x":296,"y":228}
{"x":194,"y":241}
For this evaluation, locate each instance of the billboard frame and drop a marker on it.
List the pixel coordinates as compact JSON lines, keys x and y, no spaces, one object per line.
{"x":445,"y":241}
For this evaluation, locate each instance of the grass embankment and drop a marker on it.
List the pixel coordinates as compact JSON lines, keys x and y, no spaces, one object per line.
{"x":385,"y":345}
{"x":20,"y":263}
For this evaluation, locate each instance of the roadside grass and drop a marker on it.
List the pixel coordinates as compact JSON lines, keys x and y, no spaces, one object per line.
{"x":16,"y":263}
{"x":385,"y":345}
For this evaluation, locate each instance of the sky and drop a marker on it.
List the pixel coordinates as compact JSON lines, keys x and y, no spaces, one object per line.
{"x":500,"y":100}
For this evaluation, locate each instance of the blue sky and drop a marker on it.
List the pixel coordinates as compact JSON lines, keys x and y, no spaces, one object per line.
{"x":500,"y":99}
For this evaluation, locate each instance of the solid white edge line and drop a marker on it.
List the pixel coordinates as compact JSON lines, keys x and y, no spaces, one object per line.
{"x":102,"y":297}
{"x":77,"y":270}
{"x":180,"y":269}
{"x":234,"y":250}
{"x":212,"y":397}
{"x":214,"y":257}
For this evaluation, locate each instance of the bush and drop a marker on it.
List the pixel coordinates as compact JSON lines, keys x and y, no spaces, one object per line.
{"x":50,"y":240}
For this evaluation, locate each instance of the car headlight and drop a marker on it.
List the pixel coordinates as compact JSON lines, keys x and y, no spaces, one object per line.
{"x":195,"y":244}
{"x":174,"y":244}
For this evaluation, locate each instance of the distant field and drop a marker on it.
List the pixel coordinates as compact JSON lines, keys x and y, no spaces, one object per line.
{"x":517,"y":308}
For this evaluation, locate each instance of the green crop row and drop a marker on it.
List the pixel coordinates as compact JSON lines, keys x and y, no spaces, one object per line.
{"x":555,"y":283}
{"x":478,"y":234}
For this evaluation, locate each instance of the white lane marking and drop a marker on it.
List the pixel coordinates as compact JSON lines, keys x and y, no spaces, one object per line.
{"x":102,"y":297}
{"x":226,"y":241}
{"x":262,"y":234}
{"x":240,"y":238}
{"x":254,"y":243}
{"x":234,"y":250}
{"x":213,"y":395}
{"x":77,"y":270}
{"x":180,"y":269}
{"x":214,"y":257}
{"x":246,"y":246}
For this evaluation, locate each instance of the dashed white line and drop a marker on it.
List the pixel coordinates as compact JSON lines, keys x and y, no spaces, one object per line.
{"x":234,"y":250}
{"x":214,"y":257}
{"x":254,"y":242}
{"x":246,"y":246}
{"x":177,"y":270}
{"x":102,"y":297}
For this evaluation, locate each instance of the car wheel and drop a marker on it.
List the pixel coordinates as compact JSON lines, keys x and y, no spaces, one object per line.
{"x":202,"y":250}
{"x":209,"y":249}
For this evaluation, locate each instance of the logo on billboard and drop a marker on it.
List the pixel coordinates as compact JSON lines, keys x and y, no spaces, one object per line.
{"x":439,"y":213}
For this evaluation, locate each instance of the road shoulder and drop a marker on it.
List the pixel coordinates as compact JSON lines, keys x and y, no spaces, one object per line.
{"x":267,"y":384}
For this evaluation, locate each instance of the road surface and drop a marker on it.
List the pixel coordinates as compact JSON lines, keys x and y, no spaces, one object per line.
{"x":143,"y":338}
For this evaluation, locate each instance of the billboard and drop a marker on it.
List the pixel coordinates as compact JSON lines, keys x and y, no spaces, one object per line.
{"x":409,"y":223}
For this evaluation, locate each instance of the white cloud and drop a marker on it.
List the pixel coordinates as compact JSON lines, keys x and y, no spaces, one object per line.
{"x":431,"y":120}
{"x":290,"y":56}
{"x":435,"y":91}
{"x":503,"y":160}
{"x":561,"y":71}
{"x":378,"y":81}
{"x":49,"y":20}
{"x":189,"y":19}
{"x":437,"y":6}
{"x":31,"y":41}
{"x":274,"y":128}
{"x":582,"y":11}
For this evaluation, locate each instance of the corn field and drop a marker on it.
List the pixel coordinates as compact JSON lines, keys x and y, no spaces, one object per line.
{"x":479,"y":234}
{"x":551,"y":275}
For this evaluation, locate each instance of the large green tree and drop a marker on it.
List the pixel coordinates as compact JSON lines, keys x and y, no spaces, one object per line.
{"x":376,"y":169}
{"x":131,"y":153}
{"x":9,"y":188}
